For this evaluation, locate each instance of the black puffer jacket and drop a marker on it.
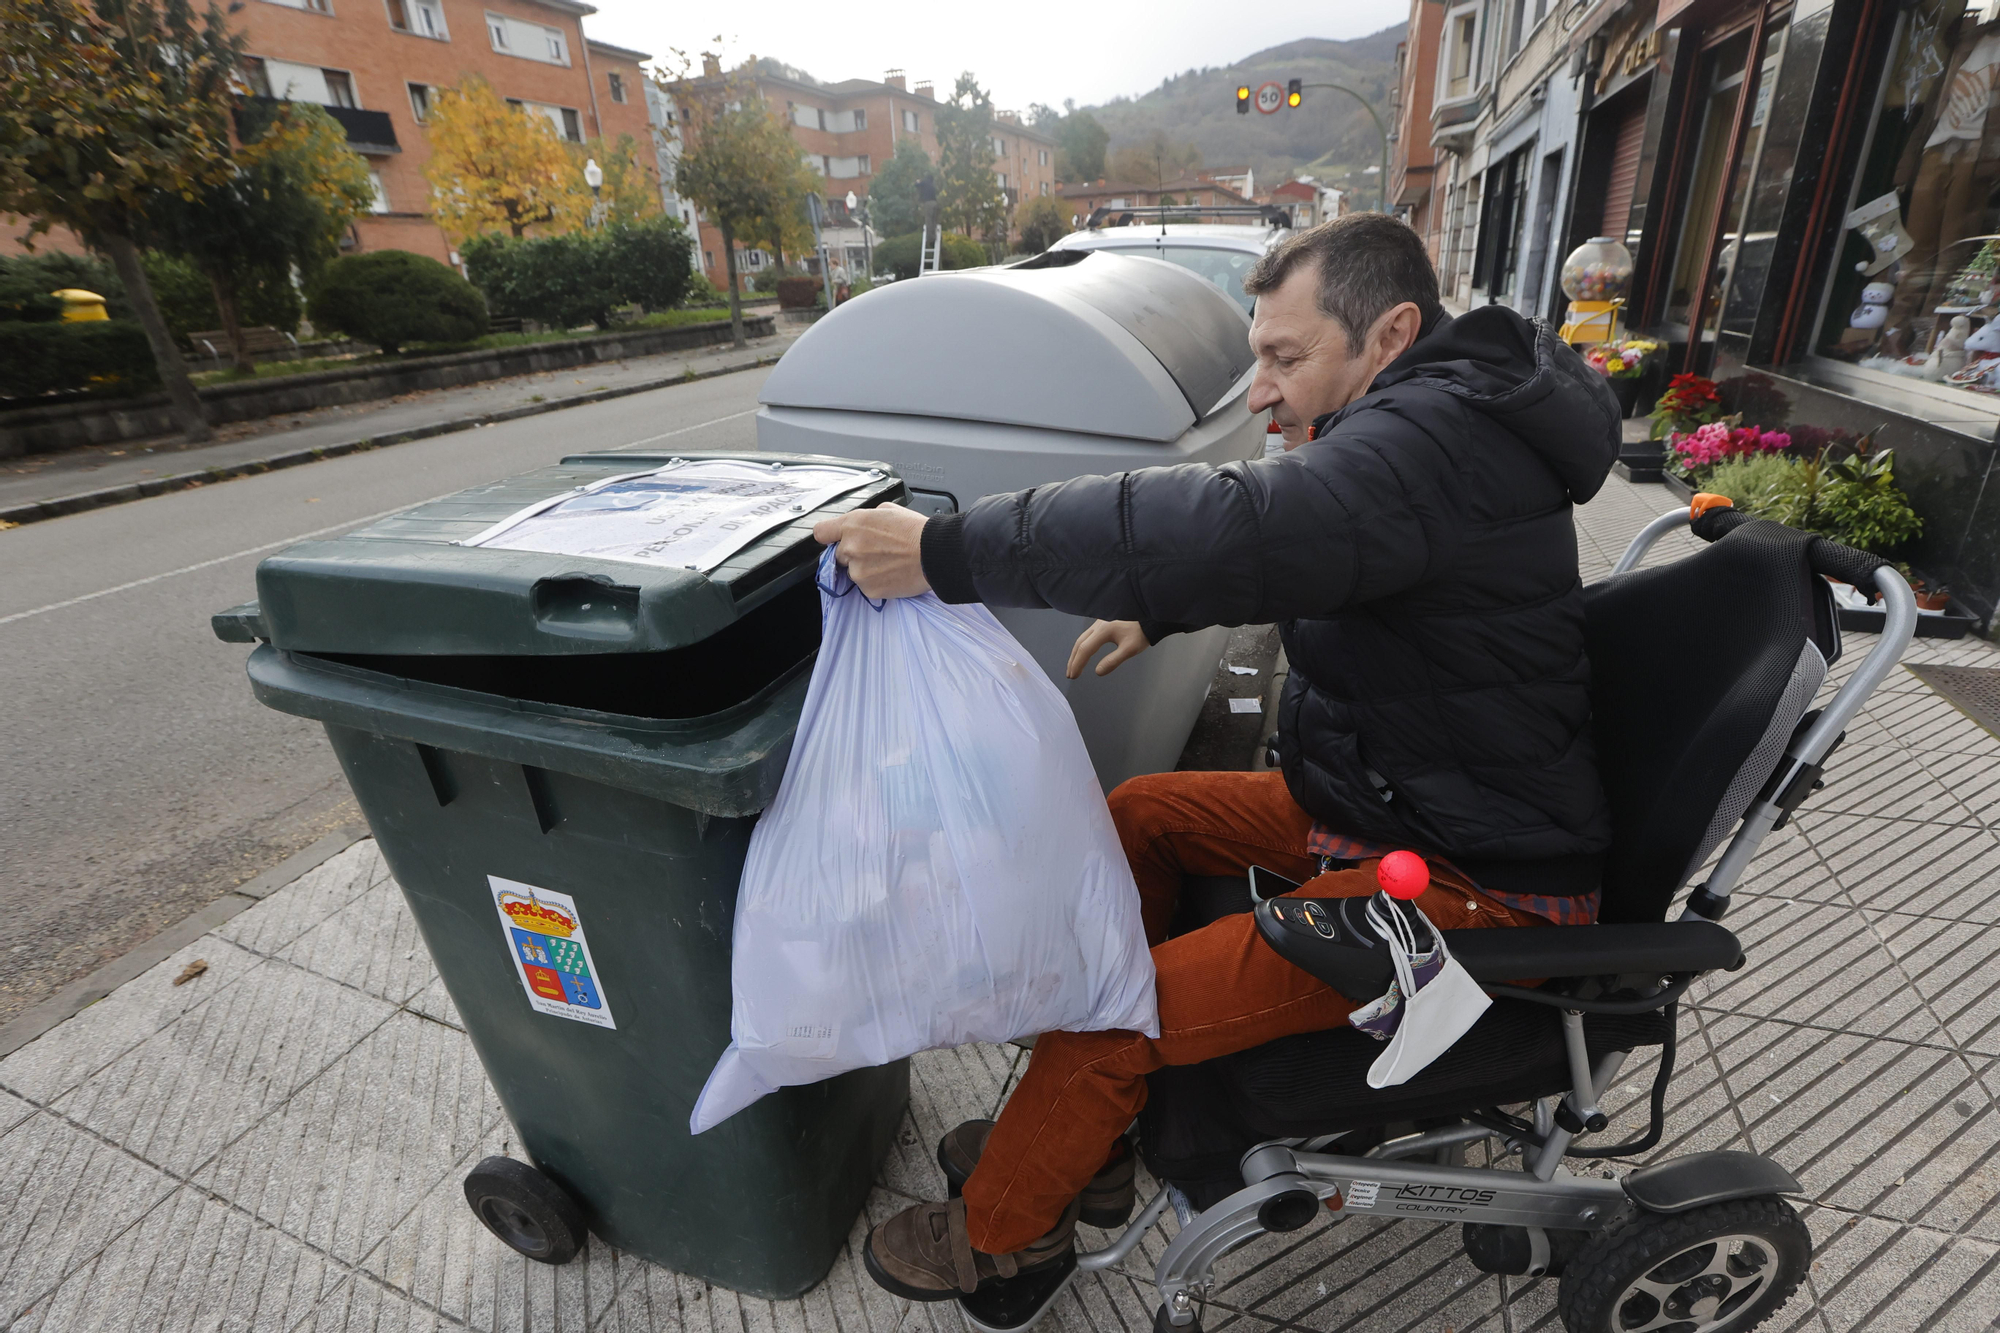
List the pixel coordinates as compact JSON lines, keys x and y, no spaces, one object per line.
{"x":1421,"y":553}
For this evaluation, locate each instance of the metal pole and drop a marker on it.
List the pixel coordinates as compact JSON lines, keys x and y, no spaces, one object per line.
{"x":1380,"y":128}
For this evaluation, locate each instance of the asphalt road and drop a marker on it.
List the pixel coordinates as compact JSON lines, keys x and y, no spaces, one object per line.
{"x":139,"y":781}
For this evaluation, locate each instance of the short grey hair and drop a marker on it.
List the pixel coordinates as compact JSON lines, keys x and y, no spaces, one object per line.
{"x":1368,"y":263}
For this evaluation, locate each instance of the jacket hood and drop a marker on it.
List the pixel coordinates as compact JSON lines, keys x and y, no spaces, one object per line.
{"x":1522,"y":376}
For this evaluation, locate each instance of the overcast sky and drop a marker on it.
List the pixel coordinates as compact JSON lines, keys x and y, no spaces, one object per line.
{"x":1024,"y":54}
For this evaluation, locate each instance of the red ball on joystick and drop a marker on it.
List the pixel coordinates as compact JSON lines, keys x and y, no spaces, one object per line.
{"x":1403,"y":875}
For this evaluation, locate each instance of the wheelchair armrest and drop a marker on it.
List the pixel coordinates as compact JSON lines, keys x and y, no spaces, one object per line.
{"x":1577,"y":951}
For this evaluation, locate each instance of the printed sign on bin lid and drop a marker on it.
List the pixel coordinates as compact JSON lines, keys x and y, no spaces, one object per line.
{"x":544,"y":933}
{"x":688,"y":515}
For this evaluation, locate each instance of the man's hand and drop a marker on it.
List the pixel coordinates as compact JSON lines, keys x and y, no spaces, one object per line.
{"x":1126,"y":637}
{"x":882,"y":549}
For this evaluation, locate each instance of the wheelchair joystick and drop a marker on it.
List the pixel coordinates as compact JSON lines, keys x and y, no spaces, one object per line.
{"x":1403,"y":875}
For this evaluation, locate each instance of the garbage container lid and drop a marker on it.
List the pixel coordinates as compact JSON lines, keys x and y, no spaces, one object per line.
{"x":1109,"y":345}
{"x":409,"y":584}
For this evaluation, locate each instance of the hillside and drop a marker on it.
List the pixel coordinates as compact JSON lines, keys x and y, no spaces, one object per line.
{"x":1200,"y":106}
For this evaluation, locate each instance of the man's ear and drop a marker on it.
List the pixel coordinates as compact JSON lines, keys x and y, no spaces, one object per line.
{"x":1394,"y":332}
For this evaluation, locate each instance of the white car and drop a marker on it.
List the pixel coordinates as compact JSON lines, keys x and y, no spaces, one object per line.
{"x":1217,"y":251}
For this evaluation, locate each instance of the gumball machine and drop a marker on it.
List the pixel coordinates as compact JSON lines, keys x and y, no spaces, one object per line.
{"x":1596,"y":278}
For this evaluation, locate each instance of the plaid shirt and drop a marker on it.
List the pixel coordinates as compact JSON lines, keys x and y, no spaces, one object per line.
{"x":1328,"y":846}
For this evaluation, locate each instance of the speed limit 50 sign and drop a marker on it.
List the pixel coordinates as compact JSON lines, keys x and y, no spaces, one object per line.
{"x":1270,"y":97}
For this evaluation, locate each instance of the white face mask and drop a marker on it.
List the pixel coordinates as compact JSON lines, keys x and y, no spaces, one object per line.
{"x":1436,"y":1011}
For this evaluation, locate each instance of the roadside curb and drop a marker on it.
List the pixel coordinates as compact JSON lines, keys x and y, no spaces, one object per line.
{"x":79,"y":995}
{"x":36,"y":511}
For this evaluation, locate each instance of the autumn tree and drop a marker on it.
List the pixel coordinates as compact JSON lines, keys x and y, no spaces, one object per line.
{"x":1043,"y":222}
{"x":496,"y":166}
{"x":631,"y":189}
{"x":1155,"y":160}
{"x":892,"y":195}
{"x":969,"y":198}
{"x":1080,"y":145}
{"x":786,"y":227}
{"x":296,"y":188}
{"x":103,"y":113}
{"x":740,"y":168}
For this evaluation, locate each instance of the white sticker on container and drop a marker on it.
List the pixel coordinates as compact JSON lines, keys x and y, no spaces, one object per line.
{"x":1363,"y":1193}
{"x":1246,"y":705}
{"x":812,"y":1040}
{"x":544,"y":933}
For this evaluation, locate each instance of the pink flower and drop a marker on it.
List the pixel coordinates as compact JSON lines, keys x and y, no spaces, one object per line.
{"x":1705,"y":445}
{"x":1773,"y":442}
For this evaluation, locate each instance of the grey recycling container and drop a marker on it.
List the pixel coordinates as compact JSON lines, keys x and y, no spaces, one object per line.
{"x":562,"y":759}
{"x":1078,"y":363}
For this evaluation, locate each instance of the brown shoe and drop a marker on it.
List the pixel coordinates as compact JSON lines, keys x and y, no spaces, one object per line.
{"x":1106,"y":1201}
{"x":924,"y":1253}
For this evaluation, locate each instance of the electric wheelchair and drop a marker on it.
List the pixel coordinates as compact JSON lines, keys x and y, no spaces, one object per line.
{"x":1703,"y":671}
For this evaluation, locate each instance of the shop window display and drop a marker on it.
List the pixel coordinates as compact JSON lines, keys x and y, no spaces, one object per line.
{"x":1915,"y":290}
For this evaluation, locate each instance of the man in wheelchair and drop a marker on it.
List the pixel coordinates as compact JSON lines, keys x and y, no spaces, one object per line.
{"x":1454,"y":690}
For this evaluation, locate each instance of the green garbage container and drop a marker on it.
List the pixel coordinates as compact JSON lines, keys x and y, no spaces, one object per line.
{"x":562,"y":759}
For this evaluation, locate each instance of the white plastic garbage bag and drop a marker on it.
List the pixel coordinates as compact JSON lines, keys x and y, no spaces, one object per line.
{"x":938,"y":867}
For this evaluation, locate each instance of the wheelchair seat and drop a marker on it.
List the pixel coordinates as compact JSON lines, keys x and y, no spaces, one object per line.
{"x":1701,"y":672}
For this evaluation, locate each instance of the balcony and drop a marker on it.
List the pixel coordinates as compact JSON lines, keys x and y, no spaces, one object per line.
{"x":370,"y":133}
{"x":1453,"y":121}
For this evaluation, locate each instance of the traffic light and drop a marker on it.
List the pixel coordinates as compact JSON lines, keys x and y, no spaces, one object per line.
{"x":1242,"y":99}
{"x":1294,"y":92}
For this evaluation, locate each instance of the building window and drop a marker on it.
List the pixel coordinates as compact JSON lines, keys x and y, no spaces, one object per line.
{"x":1918,"y":262}
{"x":999,"y":146}
{"x":810,"y":117}
{"x":530,"y":41}
{"x":1041,"y":157}
{"x":708,"y":259}
{"x":1458,"y":52}
{"x":572,"y":124}
{"x":380,"y":203}
{"x":316,"y":6}
{"x":1002,"y":177}
{"x":420,"y":102}
{"x":339,"y":88}
{"x":419,"y":18}
{"x":844,"y":167}
{"x":255,"y":76}
{"x":617,"y":87}
{"x":1045,"y":189}
{"x":860,"y":120}
{"x":910,"y":122}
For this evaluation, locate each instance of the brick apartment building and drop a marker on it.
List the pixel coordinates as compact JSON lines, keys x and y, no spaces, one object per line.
{"x":1413,"y":163}
{"x":1082,"y":197}
{"x":849,"y":131}
{"x":374,"y":63}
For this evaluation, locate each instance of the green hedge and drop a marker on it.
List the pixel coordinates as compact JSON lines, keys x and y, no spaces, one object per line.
{"x":581,"y":276}
{"x":106,"y":355}
{"x":900,"y":254}
{"x":392,"y":298}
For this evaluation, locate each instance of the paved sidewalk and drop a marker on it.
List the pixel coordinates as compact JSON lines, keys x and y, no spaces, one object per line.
{"x":38,"y":479}
{"x":279,"y":1143}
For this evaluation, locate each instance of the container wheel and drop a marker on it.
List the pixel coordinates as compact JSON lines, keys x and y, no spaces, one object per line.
{"x":1721,"y":1268}
{"x":1163,"y":1323}
{"x":530,"y":1213}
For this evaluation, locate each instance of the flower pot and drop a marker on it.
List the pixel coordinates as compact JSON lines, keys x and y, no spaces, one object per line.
{"x":1933,"y":601}
{"x":1652,"y":382}
{"x":1626,"y":387}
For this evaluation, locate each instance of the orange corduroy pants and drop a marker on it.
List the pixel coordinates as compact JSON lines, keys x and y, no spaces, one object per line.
{"x":1221,"y":989}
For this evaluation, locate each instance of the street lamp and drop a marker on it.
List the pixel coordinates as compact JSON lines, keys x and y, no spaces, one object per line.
{"x":593,"y":176}
{"x":855,"y":209}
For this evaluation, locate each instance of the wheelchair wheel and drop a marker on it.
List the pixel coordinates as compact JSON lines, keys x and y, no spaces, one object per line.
{"x":530,"y":1213}
{"x":1721,"y":1268}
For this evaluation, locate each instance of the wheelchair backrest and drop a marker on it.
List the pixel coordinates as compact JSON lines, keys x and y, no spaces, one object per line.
{"x":1700,"y":672}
